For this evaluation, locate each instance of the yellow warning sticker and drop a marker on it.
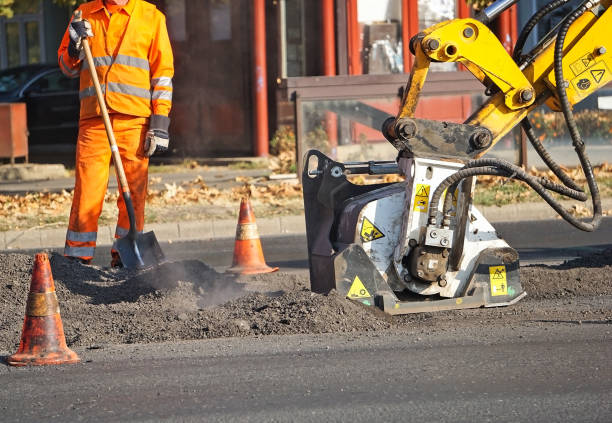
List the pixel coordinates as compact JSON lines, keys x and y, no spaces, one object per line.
{"x":421,"y":198}
{"x":598,"y":74}
{"x":582,"y":64}
{"x":499,"y":284}
{"x":358,"y":290}
{"x":369,"y":232}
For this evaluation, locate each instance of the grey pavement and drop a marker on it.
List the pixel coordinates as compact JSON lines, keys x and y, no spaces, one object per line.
{"x":213,"y":177}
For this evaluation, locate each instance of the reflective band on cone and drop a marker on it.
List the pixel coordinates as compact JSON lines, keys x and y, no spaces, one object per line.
{"x":248,"y":255}
{"x":42,"y":338}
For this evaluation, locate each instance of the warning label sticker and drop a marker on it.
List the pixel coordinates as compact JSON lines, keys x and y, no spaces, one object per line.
{"x":358,"y":290}
{"x":421,"y":198}
{"x":499,"y":284}
{"x":369,"y":232}
{"x":582,"y":64}
{"x":598,"y":74}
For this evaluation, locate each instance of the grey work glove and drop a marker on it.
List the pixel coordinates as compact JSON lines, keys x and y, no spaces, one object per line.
{"x":156,"y":142}
{"x":77,"y":31}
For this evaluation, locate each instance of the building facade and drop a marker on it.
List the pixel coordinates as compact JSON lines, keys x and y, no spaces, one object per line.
{"x":242,"y":66}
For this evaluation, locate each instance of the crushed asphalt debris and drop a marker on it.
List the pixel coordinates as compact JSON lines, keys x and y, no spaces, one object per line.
{"x":190,"y":300}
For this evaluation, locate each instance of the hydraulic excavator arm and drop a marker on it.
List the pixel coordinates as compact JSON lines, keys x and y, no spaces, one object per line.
{"x":386,"y":244}
{"x":518,"y":87}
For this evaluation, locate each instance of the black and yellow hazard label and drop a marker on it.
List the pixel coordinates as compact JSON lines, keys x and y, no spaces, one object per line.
{"x":358,"y":290}
{"x":582,"y":64}
{"x":499,"y":283}
{"x":589,"y":80}
{"x":369,"y":232}
{"x":421,"y":198}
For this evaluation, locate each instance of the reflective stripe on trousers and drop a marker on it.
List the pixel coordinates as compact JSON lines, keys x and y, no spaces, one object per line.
{"x":81,"y":252}
{"x":80,"y":244}
{"x":92,"y":171}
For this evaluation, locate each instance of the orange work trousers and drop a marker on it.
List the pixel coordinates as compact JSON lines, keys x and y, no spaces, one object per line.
{"x":93,"y":158}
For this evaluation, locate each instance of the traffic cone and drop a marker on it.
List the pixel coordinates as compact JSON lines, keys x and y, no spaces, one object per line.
{"x":248,"y":255}
{"x":42,"y":337}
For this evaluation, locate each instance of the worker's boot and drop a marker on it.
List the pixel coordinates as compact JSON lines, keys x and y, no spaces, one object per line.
{"x":115,"y":259}
{"x":79,"y":259}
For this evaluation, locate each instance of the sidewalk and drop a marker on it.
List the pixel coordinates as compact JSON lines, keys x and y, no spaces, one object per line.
{"x":226,"y":228}
{"x":215,"y":178}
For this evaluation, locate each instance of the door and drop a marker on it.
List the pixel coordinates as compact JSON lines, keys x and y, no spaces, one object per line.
{"x":53,"y":108}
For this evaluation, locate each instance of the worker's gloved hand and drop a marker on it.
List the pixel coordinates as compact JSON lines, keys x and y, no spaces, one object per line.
{"x":156,"y":142}
{"x":77,"y":31}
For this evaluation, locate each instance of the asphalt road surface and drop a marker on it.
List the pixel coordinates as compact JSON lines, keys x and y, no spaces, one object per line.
{"x":558,"y":374}
{"x":554,"y":371}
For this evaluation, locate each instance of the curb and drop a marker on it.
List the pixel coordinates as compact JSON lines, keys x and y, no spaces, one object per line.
{"x":35,"y":238}
{"x":271,"y":226}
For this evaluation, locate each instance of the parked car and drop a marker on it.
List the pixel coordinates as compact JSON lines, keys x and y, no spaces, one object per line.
{"x":52,"y":102}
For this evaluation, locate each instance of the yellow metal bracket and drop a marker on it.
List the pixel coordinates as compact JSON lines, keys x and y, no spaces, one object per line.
{"x":418,"y":74}
{"x":471,"y":43}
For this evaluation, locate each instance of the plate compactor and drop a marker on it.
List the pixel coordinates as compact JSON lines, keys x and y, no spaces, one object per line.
{"x":420,"y":245}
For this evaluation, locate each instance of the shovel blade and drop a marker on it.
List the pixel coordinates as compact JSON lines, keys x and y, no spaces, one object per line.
{"x":141,"y":252}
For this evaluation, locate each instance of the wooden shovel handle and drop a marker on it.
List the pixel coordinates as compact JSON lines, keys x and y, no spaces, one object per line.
{"x":107,"y":123}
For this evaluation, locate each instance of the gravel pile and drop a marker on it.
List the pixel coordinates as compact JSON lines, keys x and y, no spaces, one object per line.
{"x":189,"y":300}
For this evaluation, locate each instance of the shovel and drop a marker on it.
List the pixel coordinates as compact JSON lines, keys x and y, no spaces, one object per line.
{"x":136,"y":250}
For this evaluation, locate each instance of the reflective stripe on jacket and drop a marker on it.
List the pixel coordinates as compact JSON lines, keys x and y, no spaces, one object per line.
{"x":133,"y":59}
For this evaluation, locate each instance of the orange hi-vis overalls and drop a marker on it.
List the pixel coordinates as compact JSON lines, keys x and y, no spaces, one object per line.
{"x":134,"y":62}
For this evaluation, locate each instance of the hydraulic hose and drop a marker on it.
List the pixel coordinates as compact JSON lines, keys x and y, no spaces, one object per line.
{"x":566,"y":108}
{"x":533,"y":21}
{"x":485,"y":170}
{"x":502,"y":168}
{"x":508,"y":170}
{"x":520,"y":174}
{"x":525,"y":123}
{"x":546,"y":158}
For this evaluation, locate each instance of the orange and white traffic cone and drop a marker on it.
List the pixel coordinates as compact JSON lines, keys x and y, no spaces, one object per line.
{"x":42,"y":338}
{"x":248,"y":255}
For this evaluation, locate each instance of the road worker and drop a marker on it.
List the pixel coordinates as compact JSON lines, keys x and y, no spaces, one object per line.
{"x":133,"y":59}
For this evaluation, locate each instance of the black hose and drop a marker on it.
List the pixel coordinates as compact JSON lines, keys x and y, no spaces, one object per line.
{"x":508,"y":170}
{"x":526,"y":125}
{"x":566,"y":108}
{"x":521,"y":174}
{"x":540,"y":185}
{"x":476,"y":171}
{"x":533,"y":21}
{"x":448,"y":201}
{"x":502,"y":168}
{"x":546,"y":158}
{"x":454,"y":180}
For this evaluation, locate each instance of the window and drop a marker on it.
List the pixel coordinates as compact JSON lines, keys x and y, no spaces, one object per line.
{"x":32,"y":35}
{"x":13,"y":79}
{"x":380,"y":23}
{"x":12,"y":44}
{"x":432,"y":12}
{"x":293,"y":38}
{"x":21,"y":36}
{"x":53,"y":82}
